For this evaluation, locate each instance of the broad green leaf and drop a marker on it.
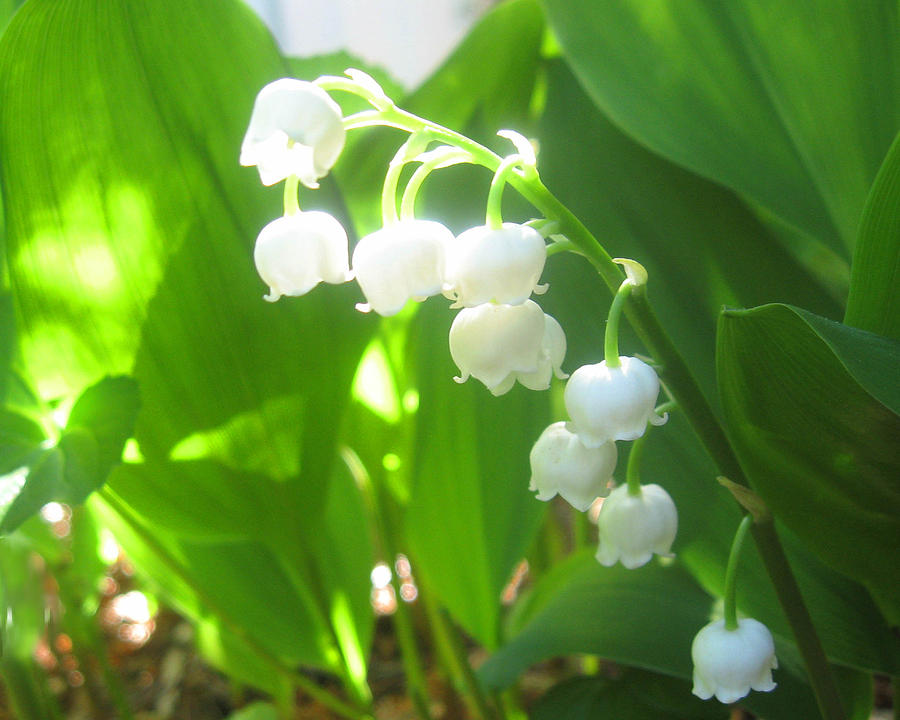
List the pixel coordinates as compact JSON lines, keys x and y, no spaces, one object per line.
{"x":137,"y":256}
{"x":471,"y":516}
{"x":818,"y":446}
{"x":198,"y":499}
{"x":702,"y":247}
{"x":874,"y":300}
{"x":636,"y":695}
{"x":225,"y":579}
{"x":613,"y":612}
{"x":621,"y":615}
{"x":791,"y":104}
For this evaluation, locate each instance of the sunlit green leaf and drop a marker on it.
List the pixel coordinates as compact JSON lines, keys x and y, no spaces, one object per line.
{"x":818,"y":446}
{"x":792,"y":104}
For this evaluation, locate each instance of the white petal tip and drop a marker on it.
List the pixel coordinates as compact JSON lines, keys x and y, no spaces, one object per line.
{"x":541,"y":288}
{"x":272,"y":297}
{"x":659,"y":419}
{"x":364,"y":307}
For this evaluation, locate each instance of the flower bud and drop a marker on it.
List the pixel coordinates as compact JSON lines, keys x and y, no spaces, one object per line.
{"x":501,"y":266}
{"x":498,"y":344}
{"x":561,"y":464}
{"x":400,"y":262}
{"x":295,"y":129}
{"x":633,"y":527}
{"x":613,"y":403}
{"x":295,"y":253}
{"x":728,"y":663}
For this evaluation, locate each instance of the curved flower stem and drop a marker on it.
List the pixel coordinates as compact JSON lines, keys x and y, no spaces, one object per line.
{"x":439,"y":160}
{"x":494,"y":215}
{"x":611,"y":337}
{"x":731,"y":572}
{"x":389,"y":189}
{"x":633,"y":471}
{"x":679,"y":380}
{"x":296,"y":679}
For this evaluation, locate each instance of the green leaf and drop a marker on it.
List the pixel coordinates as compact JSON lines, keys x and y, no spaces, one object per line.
{"x":20,"y":437}
{"x":791,"y":104}
{"x":801,"y":397}
{"x":674,"y":223}
{"x":99,"y":423}
{"x":702,"y":247}
{"x":582,"y":607}
{"x":471,"y":481}
{"x":636,"y":695}
{"x":611,"y":612}
{"x":874,"y":301}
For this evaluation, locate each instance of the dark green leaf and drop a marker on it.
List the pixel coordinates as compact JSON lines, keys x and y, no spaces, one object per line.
{"x":702,"y":247}
{"x":874,"y":301}
{"x":612,"y":612}
{"x":637,"y":695}
{"x":819,"y":448}
{"x":792,"y":104}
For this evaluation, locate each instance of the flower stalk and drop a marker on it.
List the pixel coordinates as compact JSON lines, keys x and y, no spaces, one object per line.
{"x":734,"y":556}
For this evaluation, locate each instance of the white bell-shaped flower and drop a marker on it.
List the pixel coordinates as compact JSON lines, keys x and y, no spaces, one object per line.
{"x":561,"y":464}
{"x":295,"y":129}
{"x":501,"y":266}
{"x":633,"y":527}
{"x":553,"y":352}
{"x":613,"y":403}
{"x":400,"y":262}
{"x":729,"y":663}
{"x":295,"y":253}
{"x":498,"y":344}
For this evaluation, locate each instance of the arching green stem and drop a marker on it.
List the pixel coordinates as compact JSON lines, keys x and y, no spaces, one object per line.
{"x":731,"y":572}
{"x":611,"y":340}
{"x":679,"y":379}
{"x":494,"y":215}
{"x":389,"y":189}
{"x":632,"y":472}
{"x":438,"y":160}
{"x":291,"y":198}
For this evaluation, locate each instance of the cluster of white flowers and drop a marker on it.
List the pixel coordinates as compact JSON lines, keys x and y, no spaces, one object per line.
{"x":499,"y":336}
{"x":576,"y":460}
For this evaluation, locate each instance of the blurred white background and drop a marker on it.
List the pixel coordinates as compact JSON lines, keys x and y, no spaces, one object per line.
{"x":409,"y":38}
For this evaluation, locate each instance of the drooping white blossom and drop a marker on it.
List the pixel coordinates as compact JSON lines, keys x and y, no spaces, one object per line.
{"x":613,"y":403}
{"x":401,"y":262}
{"x":553,"y":352}
{"x":561,"y":464}
{"x":499,"y":344}
{"x":634,"y":527}
{"x":729,"y":663}
{"x":501,"y":266}
{"x":295,"y":129}
{"x":295,"y":253}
